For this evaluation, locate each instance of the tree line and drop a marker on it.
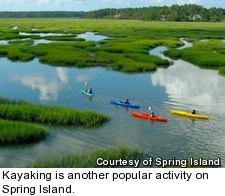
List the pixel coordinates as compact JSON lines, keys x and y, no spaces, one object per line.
{"x":41,"y":14}
{"x":187,"y":12}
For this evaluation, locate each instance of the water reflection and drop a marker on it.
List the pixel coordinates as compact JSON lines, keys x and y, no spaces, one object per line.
{"x":4,"y":42}
{"x":62,"y":74}
{"x":15,"y":27}
{"x":90,"y":36}
{"x":43,"y":34}
{"x":48,"y":87}
{"x":83,"y":78}
{"x":36,"y":41}
{"x":41,"y":41}
{"x":158,"y":51}
{"x":190,"y":86}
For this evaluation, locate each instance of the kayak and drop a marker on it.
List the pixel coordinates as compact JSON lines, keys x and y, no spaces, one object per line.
{"x":148,"y":116}
{"x":122,"y":103}
{"x":86,"y":93}
{"x":189,"y":114}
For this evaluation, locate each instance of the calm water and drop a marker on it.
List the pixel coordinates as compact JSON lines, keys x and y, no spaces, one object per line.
{"x":181,"y":86}
{"x":88,"y":36}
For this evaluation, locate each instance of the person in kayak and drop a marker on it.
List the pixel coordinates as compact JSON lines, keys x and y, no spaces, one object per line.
{"x":193,"y":111}
{"x":126,"y":101}
{"x":152,"y":114}
{"x":90,"y":91}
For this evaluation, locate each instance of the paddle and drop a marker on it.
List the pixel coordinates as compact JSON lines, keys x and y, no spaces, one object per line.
{"x":86,"y":84}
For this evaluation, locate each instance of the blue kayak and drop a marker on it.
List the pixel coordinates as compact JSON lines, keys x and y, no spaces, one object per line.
{"x":122,"y":103}
{"x":86,"y":93}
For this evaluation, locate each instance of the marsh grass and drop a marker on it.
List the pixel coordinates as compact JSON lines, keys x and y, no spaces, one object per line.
{"x":132,"y":58}
{"x":63,"y":38}
{"x":126,"y":49}
{"x":4,"y":100}
{"x":222,"y":71}
{"x":88,"y":159}
{"x":16,"y":52}
{"x":19,"y":132}
{"x":209,"y":54}
{"x":9,"y":35}
{"x":64,"y":54}
{"x":27,"y":112}
{"x":22,"y":41}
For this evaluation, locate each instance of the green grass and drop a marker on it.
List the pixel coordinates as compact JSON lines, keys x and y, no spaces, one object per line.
{"x":88,"y":160}
{"x":222,"y":71}
{"x":205,"y":54}
{"x":16,"y":52}
{"x":16,"y":118}
{"x":19,"y":132}
{"x":133,"y":58}
{"x":126,"y":50}
{"x":28,"y":112}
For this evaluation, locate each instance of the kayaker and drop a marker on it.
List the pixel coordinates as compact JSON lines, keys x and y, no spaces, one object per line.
{"x":90,"y":91}
{"x":126,"y":101}
{"x":152,"y":114}
{"x":193,"y":111}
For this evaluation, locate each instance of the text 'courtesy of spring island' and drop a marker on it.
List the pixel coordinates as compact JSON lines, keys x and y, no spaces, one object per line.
{"x":159,"y":162}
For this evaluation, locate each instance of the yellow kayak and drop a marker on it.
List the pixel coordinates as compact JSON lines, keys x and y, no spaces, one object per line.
{"x":189,"y":114}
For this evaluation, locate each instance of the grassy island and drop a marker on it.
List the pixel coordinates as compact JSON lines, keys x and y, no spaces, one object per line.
{"x":206,"y":54}
{"x":16,"y":118}
{"x":19,"y":132}
{"x":28,"y":112}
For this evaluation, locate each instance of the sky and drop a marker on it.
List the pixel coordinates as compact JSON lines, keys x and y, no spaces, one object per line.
{"x":89,"y":5}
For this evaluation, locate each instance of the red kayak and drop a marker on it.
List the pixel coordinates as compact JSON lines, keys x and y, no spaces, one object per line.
{"x":148,"y":116}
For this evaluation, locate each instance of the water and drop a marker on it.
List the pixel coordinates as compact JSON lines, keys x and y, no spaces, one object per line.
{"x":42,"y":34}
{"x":186,"y":44}
{"x":4,"y":42}
{"x":88,"y":36}
{"x":181,"y":86}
